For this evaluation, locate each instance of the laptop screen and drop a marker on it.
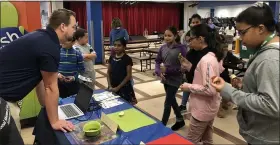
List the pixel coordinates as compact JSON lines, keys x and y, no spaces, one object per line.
{"x":83,"y":97}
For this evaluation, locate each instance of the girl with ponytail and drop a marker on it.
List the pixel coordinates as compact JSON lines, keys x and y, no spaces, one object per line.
{"x":204,"y":100}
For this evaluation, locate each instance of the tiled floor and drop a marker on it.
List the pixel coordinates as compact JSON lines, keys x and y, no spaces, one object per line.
{"x":143,"y":77}
{"x":98,"y":75}
{"x":155,"y":107}
{"x":26,"y":134}
{"x":151,"y":96}
{"x":155,"y":88}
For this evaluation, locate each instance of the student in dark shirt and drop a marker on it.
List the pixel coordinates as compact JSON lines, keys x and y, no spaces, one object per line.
{"x":229,"y":58}
{"x":193,"y":56}
{"x":194,"y":20}
{"x":32,"y":61}
{"x":120,"y":71}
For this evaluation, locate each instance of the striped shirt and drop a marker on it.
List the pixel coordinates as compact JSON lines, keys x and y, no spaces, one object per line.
{"x":71,"y":62}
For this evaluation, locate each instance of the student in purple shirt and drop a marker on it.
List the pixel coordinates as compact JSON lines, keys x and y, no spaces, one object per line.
{"x":171,"y":75}
{"x":211,"y":24}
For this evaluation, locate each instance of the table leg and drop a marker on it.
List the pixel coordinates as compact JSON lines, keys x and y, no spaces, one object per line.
{"x":141,"y":65}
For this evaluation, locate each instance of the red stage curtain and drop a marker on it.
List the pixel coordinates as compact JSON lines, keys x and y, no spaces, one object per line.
{"x":135,"y":18}
{"x":81,"y":12}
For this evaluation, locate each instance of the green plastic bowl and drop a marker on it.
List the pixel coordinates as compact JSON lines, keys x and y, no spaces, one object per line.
{"x":92,"y":128}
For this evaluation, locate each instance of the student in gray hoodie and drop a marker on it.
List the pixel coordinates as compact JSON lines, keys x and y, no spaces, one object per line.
{"x":258,"y":100}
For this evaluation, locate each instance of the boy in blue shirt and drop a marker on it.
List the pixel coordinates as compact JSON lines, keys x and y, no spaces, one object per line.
{"x":70,"y":66}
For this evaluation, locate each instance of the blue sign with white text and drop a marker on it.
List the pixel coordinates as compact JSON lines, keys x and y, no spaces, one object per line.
{"x":7,"y":35}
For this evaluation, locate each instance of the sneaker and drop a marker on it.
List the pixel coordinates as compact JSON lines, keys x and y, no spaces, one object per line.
{"x":183,"y":108}
{"x":178,"y":125}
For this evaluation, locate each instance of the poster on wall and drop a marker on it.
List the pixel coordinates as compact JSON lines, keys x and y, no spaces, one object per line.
{"x":44,"y":19}
{"x":44,"y":9}
{"x":15,"y":21}
{"x":9,"y":26}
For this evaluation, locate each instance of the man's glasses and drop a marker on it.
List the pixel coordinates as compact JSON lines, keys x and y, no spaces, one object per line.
{"x":243,"y":32}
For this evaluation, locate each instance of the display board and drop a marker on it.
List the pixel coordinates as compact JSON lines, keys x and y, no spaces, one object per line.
{"x":18,"y":18}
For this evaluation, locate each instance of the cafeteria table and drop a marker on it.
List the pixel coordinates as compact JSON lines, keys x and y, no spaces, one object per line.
{"x":149,"y":41}
{"x":44,"y":134}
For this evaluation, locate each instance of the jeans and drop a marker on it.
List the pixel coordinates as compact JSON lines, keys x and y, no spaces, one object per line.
{"x":170,"y":101}
{"x":185,"y":98}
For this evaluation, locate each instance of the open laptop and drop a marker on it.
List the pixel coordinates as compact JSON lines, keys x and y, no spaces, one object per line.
{"x":80,"y":105}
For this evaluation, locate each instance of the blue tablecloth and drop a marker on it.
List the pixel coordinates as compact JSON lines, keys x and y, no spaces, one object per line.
{"x":145,"y":134}
{"x":44,"y":133}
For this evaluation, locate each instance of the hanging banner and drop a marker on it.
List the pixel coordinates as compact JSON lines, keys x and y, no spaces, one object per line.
{"x":18,"y":18}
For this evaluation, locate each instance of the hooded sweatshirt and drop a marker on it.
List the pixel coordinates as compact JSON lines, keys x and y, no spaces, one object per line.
{"x":258,"y":101}
{"x":118,"y":33}
{"x":204,"y":99}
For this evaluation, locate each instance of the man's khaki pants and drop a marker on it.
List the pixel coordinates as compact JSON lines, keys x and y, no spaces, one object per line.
{"x":15,"y":110}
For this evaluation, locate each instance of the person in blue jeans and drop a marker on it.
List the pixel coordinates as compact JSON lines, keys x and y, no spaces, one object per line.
{"x":185,"y":99}
{"x":194,"y":20}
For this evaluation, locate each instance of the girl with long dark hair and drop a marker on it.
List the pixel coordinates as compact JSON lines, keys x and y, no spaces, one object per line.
{"x":204,"y":100}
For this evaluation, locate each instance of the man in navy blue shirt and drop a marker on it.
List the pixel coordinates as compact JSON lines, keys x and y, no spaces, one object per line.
{"x":32,"y":61}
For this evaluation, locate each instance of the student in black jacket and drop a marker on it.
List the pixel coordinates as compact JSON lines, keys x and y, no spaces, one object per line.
{"x":193,"y":56}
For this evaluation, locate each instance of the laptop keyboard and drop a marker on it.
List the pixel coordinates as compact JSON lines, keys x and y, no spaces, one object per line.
{"x":69,"y":111}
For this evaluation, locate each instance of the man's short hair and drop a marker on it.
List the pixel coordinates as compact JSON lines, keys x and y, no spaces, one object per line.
{"x":60,"y":16}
